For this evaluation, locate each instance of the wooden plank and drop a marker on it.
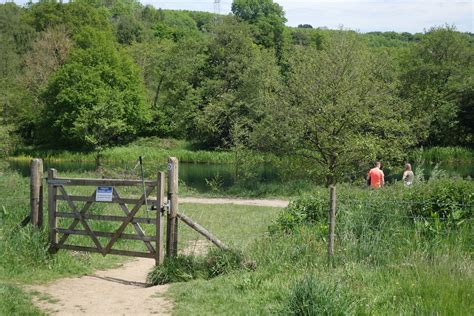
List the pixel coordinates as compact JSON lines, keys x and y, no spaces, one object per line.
{"x":202,"y":231}
{"x":105,"y":234}
{"x":111,"y":251}
{"x":111,"y":218}
{"x":172,"y":224}
{"x":77,"y":218}
{"x":160,"y":197}
{"x":136,"y":226}
{"x":128,"y":219}
{"x":52,"y":210}
{"x":36,"y":196}
{"x":77,"y":198}
{"x":101,"y":182}
{"x":81,"y":219}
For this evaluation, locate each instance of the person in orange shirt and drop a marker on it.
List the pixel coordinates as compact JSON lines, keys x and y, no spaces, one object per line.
{"x":376,"y":176}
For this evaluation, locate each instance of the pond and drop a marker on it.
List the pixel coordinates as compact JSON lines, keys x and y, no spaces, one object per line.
{"x":203,"y":177}
{"x":197,"y":176}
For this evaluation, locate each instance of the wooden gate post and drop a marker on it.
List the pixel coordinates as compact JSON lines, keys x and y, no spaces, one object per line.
{"x":172,"y":227}
{"x":36,"y":192}
{"x":160,"y":200}
{"x":331,"y":222}
{"x":52,"y":209}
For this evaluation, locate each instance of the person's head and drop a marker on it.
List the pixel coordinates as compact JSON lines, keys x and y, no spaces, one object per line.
{"x":378,"y":164}
{"x":407,"y":167}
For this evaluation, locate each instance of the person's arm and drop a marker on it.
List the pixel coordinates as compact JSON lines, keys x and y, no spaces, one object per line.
{"x":405,"y":174}
{"x":382,"y":182}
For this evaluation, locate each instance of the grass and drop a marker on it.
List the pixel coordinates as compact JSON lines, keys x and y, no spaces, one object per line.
{"x":155,"y":150}
{"x":13,"y":301}
{"x":24,"y":257}
{"x":446,"y":154}
{"x":385,"y":263}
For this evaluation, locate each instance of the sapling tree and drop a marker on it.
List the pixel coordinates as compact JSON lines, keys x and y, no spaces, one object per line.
{"x":339,"y":109}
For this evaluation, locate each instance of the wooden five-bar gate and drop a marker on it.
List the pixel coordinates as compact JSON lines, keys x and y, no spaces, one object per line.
{"x":161,"y":206}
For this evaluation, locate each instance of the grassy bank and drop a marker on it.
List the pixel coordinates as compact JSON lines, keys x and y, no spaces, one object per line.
{"x":394,"y":256}
{"x":154,"y":149}
{"x":445,"y":154}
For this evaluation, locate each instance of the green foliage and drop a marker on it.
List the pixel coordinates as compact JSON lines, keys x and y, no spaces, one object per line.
{"x":384,"y":265}
{"x":14,"y":302}
{"x":184,"y":268}
{"x":311,"y":296}
{"x":176,"y":269}
{"x":340,"y":109}
{"x":444,"y":198}
{"x":96,"y":99}
{"x":266,"y":17}
{"x":447,"y":154}
{"x":225,"y":261}
{"x":302,"y":211}
{"x":436,"y":78}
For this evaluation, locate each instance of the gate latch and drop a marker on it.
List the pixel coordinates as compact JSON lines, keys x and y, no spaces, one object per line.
{"x":166,"y":207}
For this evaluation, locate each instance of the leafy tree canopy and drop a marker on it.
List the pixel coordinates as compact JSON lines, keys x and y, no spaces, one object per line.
{"x":97,"y":98}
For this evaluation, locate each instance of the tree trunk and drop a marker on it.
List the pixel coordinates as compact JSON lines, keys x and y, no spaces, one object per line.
{"x":98,"y":155}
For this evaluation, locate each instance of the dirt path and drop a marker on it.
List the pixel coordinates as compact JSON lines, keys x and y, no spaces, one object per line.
{"x":273,"y":203}
{"x":119,"y":291}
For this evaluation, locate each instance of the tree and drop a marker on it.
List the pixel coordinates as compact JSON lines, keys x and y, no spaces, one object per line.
{"x":15,"y":38}
{"x":437,"y":80}
{"x":96,"y":99}
{"x":268,"y":21}
{"x":236,"y":75}
{"x":341,"y":109}
{"x":172,"y":71}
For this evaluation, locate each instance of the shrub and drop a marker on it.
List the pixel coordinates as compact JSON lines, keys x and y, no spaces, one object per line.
{"x":444,"y":198}
{"x":176,"y":269}
{"x":305,"y":210}
{"x":186,"y":268}
{"x":310,"y":296}
{"x":223,"y":261}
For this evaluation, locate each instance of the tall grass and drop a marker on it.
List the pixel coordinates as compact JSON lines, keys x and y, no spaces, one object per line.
{"x":446,"y":154}
{"x":154,"y":149}
{"x":388,"y":260}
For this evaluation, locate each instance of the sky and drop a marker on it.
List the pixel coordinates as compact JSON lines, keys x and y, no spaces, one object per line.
{"x":361,"y":15}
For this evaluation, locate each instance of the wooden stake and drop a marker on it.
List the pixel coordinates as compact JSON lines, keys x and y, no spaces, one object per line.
{"x":160,"y":198}
{"x":202,"y":231}
{"x":36,"y":192}
{"x":331,"y":223}
{"x":52,"y":210}
{"x":172,"y":227}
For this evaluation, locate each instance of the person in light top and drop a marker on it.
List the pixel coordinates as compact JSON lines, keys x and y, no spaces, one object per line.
{"x":408,"y":175}
{"x":375,"y":176}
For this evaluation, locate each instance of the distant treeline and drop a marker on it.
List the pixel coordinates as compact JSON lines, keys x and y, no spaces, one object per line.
{"x":88,"y":74}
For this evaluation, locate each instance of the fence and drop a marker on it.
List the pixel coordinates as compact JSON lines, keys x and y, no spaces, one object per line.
{"x":69,"y":215}
{"x":238,"y":226}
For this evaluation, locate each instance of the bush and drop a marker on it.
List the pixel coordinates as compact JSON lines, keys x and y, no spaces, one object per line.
{"x":223,"y":261}
{"x":313,"y":297}
{"x":186,"y":268}
{"x":305,"y":210}
{"x":176,"y":269}
{"x":443,"y":198}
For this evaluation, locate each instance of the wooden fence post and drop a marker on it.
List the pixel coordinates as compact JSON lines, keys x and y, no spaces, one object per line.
{"x":331,"y":223}
{"x":172,"y":227}
{"x":36,"y":192}
{"x":52,"y":209}
{"x":160,"y":201}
